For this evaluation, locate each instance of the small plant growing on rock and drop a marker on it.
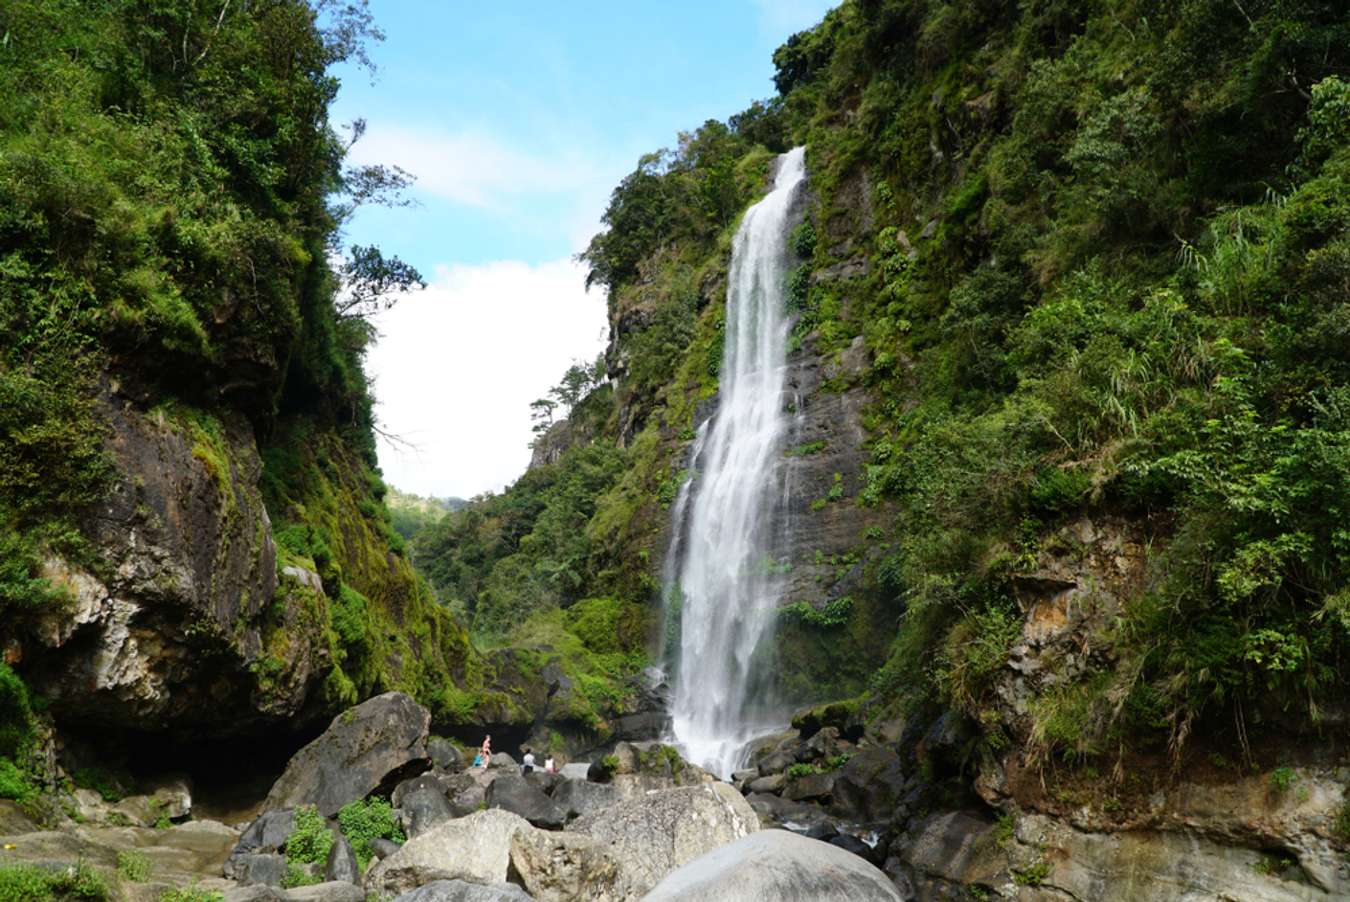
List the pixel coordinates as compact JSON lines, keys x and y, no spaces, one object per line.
{"x":797,"y":771}
{"x":32,"y":883}
{"x":1032,"y":875}
{"x":133,"y":865}
{"x":1281,"y":778}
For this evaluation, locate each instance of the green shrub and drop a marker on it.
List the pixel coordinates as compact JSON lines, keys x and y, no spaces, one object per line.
{"x":363,"y":821}
{"x":310,"y":839}
{"x":191,"y":894}
{"x":32,"y":883}
{"x":133,"y":865}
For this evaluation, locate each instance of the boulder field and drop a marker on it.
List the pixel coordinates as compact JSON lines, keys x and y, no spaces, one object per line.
{"x":375,"y":808}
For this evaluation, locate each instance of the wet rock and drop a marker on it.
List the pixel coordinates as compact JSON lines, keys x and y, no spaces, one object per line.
{"x":773,"y":783}
{"x":560,"y":867}
{"x":463,"y":891}
{"x":855,"y":846}
{"x":475,"y":848}
{"x":445,"y":755}
{"x":656,"y":833}
{"x":519,"y":795}
{"x":823,"y":745}
{"x":375,"y":743}
{"x":869,"y":787}
{"x":811,"y":787}
{"x":424,"y":809}
{"x":775,"y":864}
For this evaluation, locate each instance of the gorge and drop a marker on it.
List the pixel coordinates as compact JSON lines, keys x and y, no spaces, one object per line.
{"x":958,"y":509}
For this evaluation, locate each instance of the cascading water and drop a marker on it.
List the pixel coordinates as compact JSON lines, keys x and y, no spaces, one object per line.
{"x":721,"y":566}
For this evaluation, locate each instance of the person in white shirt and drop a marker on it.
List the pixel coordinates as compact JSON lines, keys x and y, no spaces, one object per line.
{"x":549,"y":766}
{"x":527,"y":765}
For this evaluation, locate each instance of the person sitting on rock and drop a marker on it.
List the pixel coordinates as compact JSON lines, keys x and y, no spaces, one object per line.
{"x":527,"y":763}
{"x":478,"y":759}
{"x":549,"y":766}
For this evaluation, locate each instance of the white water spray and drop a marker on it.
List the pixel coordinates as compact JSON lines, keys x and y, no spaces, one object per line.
{"x":721,"y":562}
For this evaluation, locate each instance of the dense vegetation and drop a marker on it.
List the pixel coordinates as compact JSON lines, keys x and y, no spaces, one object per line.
{"x":1106,"y":262}
{"x":172,"y":196}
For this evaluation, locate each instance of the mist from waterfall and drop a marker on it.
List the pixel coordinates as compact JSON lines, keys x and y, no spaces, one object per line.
{"x":721,"y":569}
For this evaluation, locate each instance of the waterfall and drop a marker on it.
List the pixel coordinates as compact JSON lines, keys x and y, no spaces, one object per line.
{"x":721,"y":568}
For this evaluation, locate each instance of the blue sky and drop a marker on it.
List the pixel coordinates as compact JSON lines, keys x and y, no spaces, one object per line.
{"x":518,"y":119}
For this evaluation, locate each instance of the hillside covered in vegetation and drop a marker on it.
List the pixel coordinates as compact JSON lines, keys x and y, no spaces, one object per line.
{"x":1088,"y":264}
{"x":192,"y":536}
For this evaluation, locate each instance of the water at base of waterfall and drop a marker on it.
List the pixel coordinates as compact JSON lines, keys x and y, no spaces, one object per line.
{"x":721,"y":569}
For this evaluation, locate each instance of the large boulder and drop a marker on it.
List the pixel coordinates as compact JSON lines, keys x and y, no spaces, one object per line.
{"x":267,"y":834}
{"x":378,"y":743}
{"x":870,"y":786}
{"x":811,"y":787}
{"x":423,"y":810}
{"x":655,"y":833}
{"x":778,"y":865}
{"x":519,"y":795}
{"x":463,"y":891}
{"x":579,"y":797}
{"x":342,"y":866}
{"x":445,"y":756}
{"x":448,"y":785}
{"x":476,"y":848}
{"x":560,"y":867}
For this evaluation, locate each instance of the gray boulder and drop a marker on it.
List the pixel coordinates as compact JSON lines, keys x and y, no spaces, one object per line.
{"x":445,"y":755}
{"x":870,"y":786}
{"x":502,"y":760}
{"x":377,"y":743}
{"x":256,"y":892}
{"x":327,"y":892}
{"x":775,"y":864}
{"x":383,"y":848}
{"x":267,"y":833}
{"x":342,"y":866}
{"x":519,"y":795}
{"x":773,"y":783}
{"x":476,"y":848}
{"x":446,"y":784}
{"x":780,"y":812}
{"x":812,"y":787}
{"x":424,"y":809}
{"x":580,"y":797}
{"x":265,"y":868}
{"x":560,"y":867}
{"x":655,"y":833}
{"x":462,"y":891}
{"x":472,"y":798}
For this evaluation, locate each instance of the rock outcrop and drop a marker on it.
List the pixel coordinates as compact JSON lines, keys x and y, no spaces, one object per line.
{"x":476,"y":848}
{"x":377,"y":743}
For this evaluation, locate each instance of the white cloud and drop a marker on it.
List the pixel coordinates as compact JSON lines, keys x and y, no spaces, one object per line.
{"x":475,"y":167}
{"x":458,"y":364}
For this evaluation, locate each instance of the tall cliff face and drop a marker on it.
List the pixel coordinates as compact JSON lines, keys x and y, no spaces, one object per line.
{"x":193,"y":535}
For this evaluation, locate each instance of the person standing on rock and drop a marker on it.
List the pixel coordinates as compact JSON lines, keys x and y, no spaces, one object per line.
{"x":486,"y":750}
{"x":549,"y":766}
{"x":527,"y":763}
